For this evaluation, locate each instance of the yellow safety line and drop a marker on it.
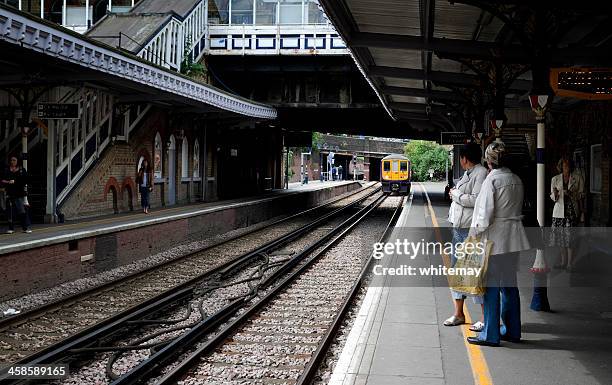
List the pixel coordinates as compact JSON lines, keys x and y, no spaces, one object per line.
{"x":480,"y":369}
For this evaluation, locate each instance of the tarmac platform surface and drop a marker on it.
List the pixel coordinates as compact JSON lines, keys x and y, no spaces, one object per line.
{"x":398,"y":338}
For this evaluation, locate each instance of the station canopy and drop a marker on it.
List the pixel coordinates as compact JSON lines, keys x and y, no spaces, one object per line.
{"x":429,"y":60}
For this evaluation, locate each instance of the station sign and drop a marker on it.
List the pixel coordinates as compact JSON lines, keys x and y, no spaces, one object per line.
{"x":58,"y":111}
{"x":453,"y":138}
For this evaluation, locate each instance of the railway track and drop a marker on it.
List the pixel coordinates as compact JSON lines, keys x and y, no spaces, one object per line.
{"x":40,"y":325}
{"x":286,"y":280}
{"x":283,"y":337}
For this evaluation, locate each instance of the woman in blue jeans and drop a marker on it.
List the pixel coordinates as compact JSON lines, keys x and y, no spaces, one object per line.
{"x":497,"y":217}
{"x":145,"y":185}
{"x":463,"y":197}
{"x":16,"y":184}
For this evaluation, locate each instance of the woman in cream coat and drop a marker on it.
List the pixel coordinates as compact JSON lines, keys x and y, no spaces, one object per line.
{"x":497,"y":217}
{"x":567,"y":191}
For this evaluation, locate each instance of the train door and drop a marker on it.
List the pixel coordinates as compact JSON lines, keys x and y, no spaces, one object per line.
{"x":172,"y":172}
{"x":395,"y":168}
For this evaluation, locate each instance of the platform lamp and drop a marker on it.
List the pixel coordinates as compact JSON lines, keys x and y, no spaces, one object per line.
{"x":496,"y":126}
{"x":477,"y":133}
{"x":26,"y":129}
{"x":540,"y":269}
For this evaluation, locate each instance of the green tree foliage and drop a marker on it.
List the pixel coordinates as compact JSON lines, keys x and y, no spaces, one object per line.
{"x":426,"y":155}
{"x":188,"y":66}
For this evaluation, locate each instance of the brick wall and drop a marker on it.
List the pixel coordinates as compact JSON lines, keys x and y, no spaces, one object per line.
{"x":36,"y":269}
{"x":116,"y":169}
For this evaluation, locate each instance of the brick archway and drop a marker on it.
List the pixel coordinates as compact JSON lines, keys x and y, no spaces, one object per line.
{"x":128,"y":186}
{"x":113,"y":187}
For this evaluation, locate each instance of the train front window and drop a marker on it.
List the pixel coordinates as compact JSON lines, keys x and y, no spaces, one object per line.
{"x":403,"y":166}
{"x":395,"y":166}
{"x":386,"y":166}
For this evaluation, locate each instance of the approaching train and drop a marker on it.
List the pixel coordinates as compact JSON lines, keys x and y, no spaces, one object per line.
{"x":395,"y":174}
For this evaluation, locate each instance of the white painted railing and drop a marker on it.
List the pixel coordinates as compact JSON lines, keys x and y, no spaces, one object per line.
{"x":81,"y":141}
{"x":300,"y":39}
{"x":23,"y":30}
{"x":177,"y":38}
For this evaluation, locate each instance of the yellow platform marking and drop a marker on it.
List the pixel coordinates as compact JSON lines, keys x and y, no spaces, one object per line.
{"x":480,"y":369}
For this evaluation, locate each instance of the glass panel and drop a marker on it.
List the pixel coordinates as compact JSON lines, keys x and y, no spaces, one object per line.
{"x":265,"y":12}
{"x":75,"y":12}
{"x":386,"y":166}
{"x":185,"y":159}
{"x":12,"y":3}
{"x":157,"y":157}
{"x":395,"y":166}
{"x":31,"y":6}
{"x":53,"y":11}
{"x":218,"y":11}
{"x":120,"y":6}
{"x":242,"y":11}
{"x":403,"y":166}
{"x":315,"y":13}
{"x":290,"y":12}
{"x":196,"y":159}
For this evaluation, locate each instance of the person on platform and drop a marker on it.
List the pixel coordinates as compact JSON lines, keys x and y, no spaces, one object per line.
{"x":15,"y":181}
{"x":463,"y":197}
{"x":567,"y":191}
{"x":497,"y":218}
{"x":145,"y":185}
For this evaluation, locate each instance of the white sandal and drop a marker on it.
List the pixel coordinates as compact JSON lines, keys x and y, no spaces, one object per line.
{"x":454,"y":321}
{"x":477,"y":326}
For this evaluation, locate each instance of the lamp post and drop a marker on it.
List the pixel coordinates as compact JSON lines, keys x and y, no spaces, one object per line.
{"x":496,"y":126}
{"x":539,"y":301}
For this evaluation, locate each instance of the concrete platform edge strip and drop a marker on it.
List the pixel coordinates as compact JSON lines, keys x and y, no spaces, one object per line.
{"x":146,"y":222}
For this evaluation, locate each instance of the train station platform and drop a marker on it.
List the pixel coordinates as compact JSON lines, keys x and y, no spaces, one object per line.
{"x":53,"y":254}
{"x":397,"y":336}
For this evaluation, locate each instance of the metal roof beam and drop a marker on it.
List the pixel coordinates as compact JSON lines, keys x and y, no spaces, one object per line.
{"x":465,"y":48}
{"x":419,"y":92}
{"x":412,"y":116}
{"x":435,"y":76}
{"x":569,"y":5}
{"x":417,"y":107}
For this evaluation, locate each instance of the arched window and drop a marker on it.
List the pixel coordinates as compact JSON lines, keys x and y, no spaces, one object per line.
{"x":158,"y":156}
{"x":196,"y":159}
{"x":185,"y":159}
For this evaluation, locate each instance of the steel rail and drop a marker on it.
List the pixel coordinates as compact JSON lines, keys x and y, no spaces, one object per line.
{"x":86,"y":337}
{"x":310,"y":371}
{"x":140,"y":373}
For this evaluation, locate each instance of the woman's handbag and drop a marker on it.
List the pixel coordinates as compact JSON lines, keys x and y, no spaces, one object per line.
{"x":477,"y":251}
